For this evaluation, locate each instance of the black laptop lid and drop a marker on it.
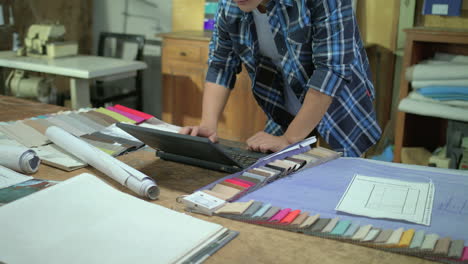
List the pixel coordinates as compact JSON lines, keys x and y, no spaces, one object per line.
{"x":178,"y":144}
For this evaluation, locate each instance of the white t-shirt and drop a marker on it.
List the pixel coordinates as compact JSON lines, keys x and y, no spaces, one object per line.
{"x":268,"y":48}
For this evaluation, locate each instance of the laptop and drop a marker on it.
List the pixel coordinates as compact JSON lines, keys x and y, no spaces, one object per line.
{"x":197,"y":151}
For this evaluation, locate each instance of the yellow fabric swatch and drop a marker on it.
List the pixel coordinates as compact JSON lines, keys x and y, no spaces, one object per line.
{"x":406,"y":238}
{"x":116,"y":116}
{"x":108,"y":151}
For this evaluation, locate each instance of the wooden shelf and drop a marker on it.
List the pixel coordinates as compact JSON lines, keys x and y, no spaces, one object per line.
{"x":422,"y":43}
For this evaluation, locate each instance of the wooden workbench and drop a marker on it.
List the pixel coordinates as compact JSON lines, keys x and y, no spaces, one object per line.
{"x":255,"y":244}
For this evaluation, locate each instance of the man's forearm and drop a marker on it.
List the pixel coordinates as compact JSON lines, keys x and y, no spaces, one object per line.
{"x":214,"y":99}
{"x":312,"y":111}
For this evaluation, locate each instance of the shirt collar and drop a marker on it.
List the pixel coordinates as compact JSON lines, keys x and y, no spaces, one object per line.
{"x":244,"y":15}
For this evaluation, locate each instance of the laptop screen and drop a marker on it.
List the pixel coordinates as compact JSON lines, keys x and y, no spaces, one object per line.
{"x":178,"y":144}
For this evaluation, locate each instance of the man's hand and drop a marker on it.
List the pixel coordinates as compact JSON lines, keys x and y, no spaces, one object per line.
{"x":200,"y":131}
{"x":264,"y":142}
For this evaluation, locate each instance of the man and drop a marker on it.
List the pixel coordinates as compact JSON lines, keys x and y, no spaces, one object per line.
{"x":308,"y":67}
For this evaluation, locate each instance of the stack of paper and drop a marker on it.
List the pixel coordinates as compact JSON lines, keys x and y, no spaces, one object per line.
{"x":83,"y":220}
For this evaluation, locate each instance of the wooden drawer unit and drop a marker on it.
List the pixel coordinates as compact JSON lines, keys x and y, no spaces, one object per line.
{"x":176,"y":51}
{"x":184,"y":67}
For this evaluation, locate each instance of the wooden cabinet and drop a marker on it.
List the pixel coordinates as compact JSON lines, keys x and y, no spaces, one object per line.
{"x":184,"y":67}
{"x":421,"y":131}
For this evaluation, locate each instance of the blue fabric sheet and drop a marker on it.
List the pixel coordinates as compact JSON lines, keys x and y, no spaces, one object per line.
{"x":444,"y":93}
{"x":319,"y":189}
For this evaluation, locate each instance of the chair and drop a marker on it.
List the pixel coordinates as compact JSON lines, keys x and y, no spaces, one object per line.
{"x":114,"y":45}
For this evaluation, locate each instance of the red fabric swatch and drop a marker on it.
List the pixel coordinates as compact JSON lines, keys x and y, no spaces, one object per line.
{"x":133,"y":111}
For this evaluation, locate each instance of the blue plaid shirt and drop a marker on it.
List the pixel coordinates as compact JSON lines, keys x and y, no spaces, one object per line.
{"x":321,"y":49}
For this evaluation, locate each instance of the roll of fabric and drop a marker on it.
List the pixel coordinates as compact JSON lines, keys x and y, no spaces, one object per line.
{"x":20,"y":159}
{"x":416,"y":84}
{"x":437,"y":72}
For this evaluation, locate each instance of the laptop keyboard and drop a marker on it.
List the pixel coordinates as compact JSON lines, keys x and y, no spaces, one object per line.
{"x":243,"y":160}
{"x":242,"y":156}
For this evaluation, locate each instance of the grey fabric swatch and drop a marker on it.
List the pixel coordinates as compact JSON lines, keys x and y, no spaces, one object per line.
{"x":253,"y":209}
{"x":456,"y":249}
{"x":270,"y":213}
{"x":320,"y":225}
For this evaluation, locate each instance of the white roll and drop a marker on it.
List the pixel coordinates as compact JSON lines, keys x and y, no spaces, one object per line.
{"x":20,"y":159}
{"x":421,"y":72}
{"x":117,"y":170}
{"x":426,"y":83}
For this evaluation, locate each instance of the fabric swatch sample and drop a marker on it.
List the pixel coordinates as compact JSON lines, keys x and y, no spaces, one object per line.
{"x":102,"y":116}
{"x":233,"y":185}
{"x":234,"y":208}
{"x":133,"y":117}
{"x":352,"y":229}
{"x":269,"y":169}
{"x":221,"y":196}
{"x":77,"y":124}
{"x":41,"y":128}
{"x":341,"y":228}
{"x":24,"y":134}
{"x":300,"y":219}
{"x":56,"y":121}
{"x":257,"y":177}
{"x":133,"y":111}
{"x":261,"y":172}
{"x":228,"y":191}
{"x":262,"y":210}
{"x":114,"y":115}
{"x":429,"y":242}
{"x":320,"y":224}
{"x":442,"y":246}
{"x":362,"y":232}
{"x":307,"y":158}
{"x":406,"y":238}
{"x":331,"y":225}
{"x":372,"y":235}
{"x":96,"y":119}
{"x":394,"y":239}
{"x":244,"y":181}
{"x":288,"y":219}
{"x":465,"y":254}
{"x":300,"y":162}
{"x":238,"y":183}
{"x":384,"y":236}
{"x":248,"y":179}
{"x":89,"y":122}
{"x":309,"y":221}
{"x":417,"y":239}
{"x":456,"y":249}
{"x":270,"y":213}
{"x":279,"y":215}
{"x":252,"y":209}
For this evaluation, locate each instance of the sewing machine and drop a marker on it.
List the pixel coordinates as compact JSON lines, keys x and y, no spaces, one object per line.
{"x":47,"y":40}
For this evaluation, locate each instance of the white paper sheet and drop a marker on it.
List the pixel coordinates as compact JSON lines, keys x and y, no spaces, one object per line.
{"x":155,"y":123}
{"x":387,"y":198}
{"x":10,"y":177}
{"x":83,"y":220}
{"x":117,"y":170}
{"x":20,"y":159}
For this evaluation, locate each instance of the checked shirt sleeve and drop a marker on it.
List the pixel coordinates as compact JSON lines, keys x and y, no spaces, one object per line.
{"x":223,"y":62}
{"x":332,"y":45}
